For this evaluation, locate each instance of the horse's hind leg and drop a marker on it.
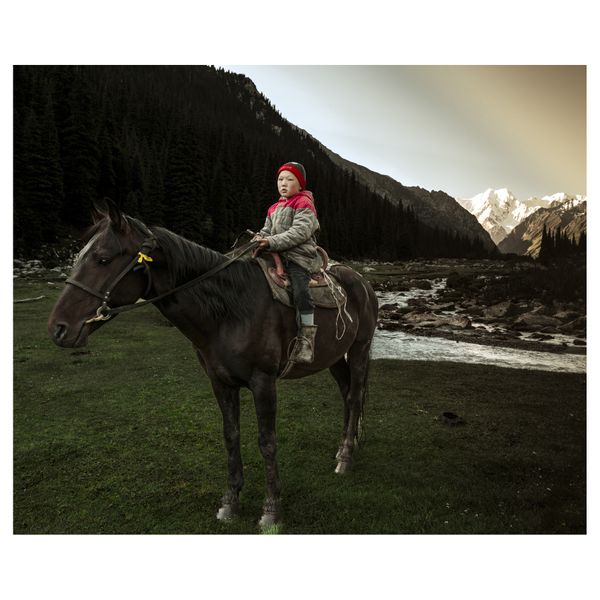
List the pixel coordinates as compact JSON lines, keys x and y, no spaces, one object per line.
{"x":358,"y":363}
{"x":229,"y":403}
{"x":341,"y":374}
{"x":265,"y":401}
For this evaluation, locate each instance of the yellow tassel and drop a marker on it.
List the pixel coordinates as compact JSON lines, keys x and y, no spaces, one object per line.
{"x":144,"y":257}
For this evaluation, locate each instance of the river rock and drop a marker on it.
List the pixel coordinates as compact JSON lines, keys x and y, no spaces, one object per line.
{"x":540,"y":336}
{"x":549,"y":329}
{"x":501,"y":309}
{"x":533,"y":319}
{"x":444,"y":306}
{"x":429,"y":319}
{"x":459,"y":322}
{"x":390,"y":326}
{"x":389,"y":306}
{"x":452,"y":295}
{"x":567,"y":315}
{"x":578,"y":342}
{"x":420,"y":317}
{"x":395,"y":316}
{"x":575,"y":326}
{"x":420,"y":284}
{"x":416,"y":302}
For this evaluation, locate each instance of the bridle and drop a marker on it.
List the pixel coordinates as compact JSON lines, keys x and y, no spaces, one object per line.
{"x":142,"y":260}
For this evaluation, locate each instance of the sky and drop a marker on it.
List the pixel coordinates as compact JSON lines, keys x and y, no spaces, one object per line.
{"x":460,"y":129}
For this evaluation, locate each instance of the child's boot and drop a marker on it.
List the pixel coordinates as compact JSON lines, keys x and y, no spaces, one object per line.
{"x":304,"y":350}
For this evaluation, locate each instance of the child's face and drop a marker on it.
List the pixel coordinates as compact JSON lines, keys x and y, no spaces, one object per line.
{"x":287,"y":184}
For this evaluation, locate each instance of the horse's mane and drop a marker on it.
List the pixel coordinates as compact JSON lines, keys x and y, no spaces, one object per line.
{"x":225,"y":295}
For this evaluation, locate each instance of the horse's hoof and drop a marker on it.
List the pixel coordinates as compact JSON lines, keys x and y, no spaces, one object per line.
{"x":227,"y":512}
{"x":267,"y":520}
{"x":271,"y":514}
{"x":269,"y":523}
{"x":343,"y":466}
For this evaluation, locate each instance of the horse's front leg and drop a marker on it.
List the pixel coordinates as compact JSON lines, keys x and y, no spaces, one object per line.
{"x":229,"y":403}
{"x":265,"y":401}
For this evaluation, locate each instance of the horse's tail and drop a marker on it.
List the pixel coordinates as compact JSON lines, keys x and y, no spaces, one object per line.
{"x":361,"y":434}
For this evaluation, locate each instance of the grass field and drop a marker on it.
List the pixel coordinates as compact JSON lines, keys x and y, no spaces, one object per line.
{"x":124,"y":436}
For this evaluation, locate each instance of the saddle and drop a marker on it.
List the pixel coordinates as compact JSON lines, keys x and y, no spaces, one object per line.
{"x":325,"y":290}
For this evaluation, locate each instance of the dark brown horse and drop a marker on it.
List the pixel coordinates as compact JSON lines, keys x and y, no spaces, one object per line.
{"x":240,"y":334}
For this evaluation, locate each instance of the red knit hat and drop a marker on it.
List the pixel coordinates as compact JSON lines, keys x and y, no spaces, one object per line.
{"x":297,"y":169}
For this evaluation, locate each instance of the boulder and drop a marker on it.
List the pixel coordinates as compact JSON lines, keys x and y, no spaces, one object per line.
{"x":533,"y":319}
{"x":501,"y":309}
{"x":452,"y":295}
{"x":421,"y":284}
{"x":390,"y":326}
{"x":390,"y":306}
{"x":459,"y":322}
{"x":420,"y":317}
{"x":543,"y":309}
{"x":540,"y":336}
{"x":549,"y":329}
{"x":417,"y":303}
{"x":567,"y":315}
{"x":429,"y":319}
{"x":575,"y":326}
{"x":444,"y":306}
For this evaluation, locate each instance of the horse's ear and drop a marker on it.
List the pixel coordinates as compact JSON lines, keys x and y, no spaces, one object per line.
{"x":99,"y":211}
{"x":107,"y":208}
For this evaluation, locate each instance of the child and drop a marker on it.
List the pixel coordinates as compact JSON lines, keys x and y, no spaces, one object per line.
{"x":289,"y":230}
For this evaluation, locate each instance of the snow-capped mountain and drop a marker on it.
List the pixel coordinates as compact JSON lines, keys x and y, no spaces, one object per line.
{"x":567,"y":200}
{"x":499,"y":211}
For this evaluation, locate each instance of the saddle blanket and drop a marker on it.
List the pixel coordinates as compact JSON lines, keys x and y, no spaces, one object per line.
{"x":326,"y":292}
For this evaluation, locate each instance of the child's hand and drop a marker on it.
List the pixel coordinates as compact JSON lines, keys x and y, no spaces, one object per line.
{"x":263,"y":243}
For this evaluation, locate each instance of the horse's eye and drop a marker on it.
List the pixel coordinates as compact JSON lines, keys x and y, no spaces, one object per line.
{"x":103,"y":260}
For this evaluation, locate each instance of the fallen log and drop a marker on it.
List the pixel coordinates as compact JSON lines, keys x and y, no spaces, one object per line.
{"x":29,"y":299}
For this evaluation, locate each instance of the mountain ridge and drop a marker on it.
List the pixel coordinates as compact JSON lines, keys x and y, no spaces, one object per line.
{"x":435,"y":208}
{"x":569,"y":214}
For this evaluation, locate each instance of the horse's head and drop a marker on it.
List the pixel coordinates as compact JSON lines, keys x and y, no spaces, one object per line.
{"x":106,"y":264}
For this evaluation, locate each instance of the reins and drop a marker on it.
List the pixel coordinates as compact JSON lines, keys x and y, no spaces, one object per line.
{"x":105,"y":312}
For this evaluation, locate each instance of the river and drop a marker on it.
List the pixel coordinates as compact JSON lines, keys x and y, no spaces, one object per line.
{"x":408,"y":346}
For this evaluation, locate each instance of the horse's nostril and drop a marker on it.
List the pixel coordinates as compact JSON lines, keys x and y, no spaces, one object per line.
{"x":60,"y":331}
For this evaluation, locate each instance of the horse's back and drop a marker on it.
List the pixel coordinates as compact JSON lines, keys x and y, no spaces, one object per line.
{"x":357,"y":287}
{"x":361,"y":297}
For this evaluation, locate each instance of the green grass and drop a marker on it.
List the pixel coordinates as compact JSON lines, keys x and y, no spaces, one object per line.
{"x":126,"y":438}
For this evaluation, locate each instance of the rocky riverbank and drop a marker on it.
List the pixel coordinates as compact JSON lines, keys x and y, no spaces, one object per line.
{"x":516,"y":304}
{"x":34,"y":269}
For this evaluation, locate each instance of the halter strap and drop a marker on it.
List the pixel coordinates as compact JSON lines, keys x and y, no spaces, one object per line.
{"x":84,"y":287}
